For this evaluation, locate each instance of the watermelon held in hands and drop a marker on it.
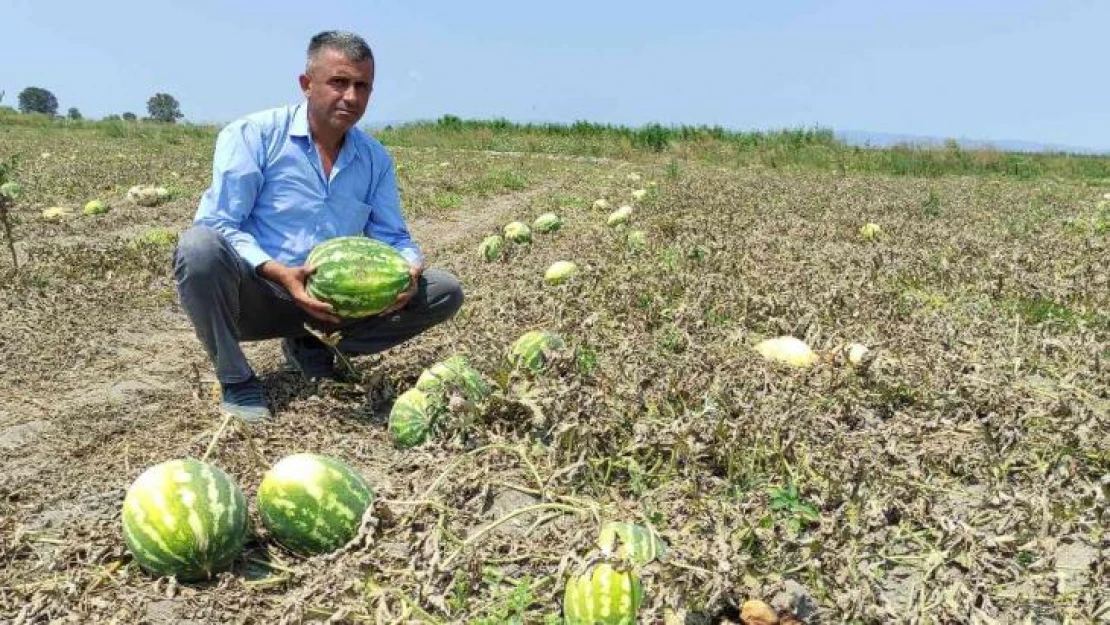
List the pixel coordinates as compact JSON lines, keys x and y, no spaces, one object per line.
{"x":411,"y":419}
{"x":530,"y":350}
{"x":186,"y":519}
{"x":313,"y":504}
{"x":603,"y":594}
{"x":357,"y":275}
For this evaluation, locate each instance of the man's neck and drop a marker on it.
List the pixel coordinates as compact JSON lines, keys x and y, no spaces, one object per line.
{"x":326,"y":140}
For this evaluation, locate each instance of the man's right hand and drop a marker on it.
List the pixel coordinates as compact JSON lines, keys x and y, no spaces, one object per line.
{"x":293,"y":280}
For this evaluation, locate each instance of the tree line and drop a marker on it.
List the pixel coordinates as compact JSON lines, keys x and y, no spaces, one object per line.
{"x":161,"y":107}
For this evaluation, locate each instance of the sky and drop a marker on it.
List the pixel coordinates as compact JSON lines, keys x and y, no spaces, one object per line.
{"x":978,"y":69}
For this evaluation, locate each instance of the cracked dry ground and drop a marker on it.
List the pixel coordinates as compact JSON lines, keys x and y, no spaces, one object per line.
{"x":961,"y":478}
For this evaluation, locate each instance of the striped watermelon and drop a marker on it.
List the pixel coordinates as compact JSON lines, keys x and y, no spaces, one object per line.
{"x":357,"y":275}
{"x":313,"y":504}
{"x":547,"y":222}
{"x":454,"y":373}
{"x":491,"y":247}
{"x":559,"y":272}
{"x":603,"y":595}
{"x":518,"y":232}
{"x":184,"y":518}
{"x":634,"y":543}
{"x":410,"y":420}
{"x":620,"y":216}
{"x":530,"y":349}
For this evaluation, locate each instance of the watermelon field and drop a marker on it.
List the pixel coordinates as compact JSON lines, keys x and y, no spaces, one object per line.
{"x":943,"y":457}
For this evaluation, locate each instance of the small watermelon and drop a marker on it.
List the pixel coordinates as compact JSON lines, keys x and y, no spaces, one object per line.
{"x":518,"y":232}
{"x":410,"y":419}
{"x":603,"y":595}
{"x":313,"y":504}
{"x":491,"y":247}
{"x":454,"y":373}
{"x":357,"y":275}
{"x":184,"y":518}
{"x":559,"y":272}
{"x":530,"y":349}
{"x":620,"y":216}
{"x":637,"y":544}
{"x":547,"y":223}
{"x":787,"y":350}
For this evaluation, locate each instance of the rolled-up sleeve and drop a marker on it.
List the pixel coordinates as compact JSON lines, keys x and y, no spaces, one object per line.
{"x":236,"y":181}
{"x":386,"y":223}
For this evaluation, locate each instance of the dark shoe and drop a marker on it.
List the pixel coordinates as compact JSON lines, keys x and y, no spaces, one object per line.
{"x":309,"y":357}
{"x":245,"y":400}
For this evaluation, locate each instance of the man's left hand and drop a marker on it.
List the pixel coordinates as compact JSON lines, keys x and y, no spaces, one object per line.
{"x":404,"y":296}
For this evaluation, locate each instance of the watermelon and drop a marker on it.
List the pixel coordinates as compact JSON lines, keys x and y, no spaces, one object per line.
{"x":313,"y":504}
{"x":357,"y":275}
{"x":603,"y":595}
{"x":620,"y":216}
{"x":491,"y":247}
{"x":787,"y":350}
{"x":184,"y":518}
{"x":601,"y":204}
{"x":870,"y":231}
{"x":634,"y":543}
{"x":95,"y":207}
{"x":518,"y":232}
{"x":11,"y":190}
{"x":454,"y":373}
{"x":559,"y":272}
{"x":547,"y":222}
{"x":410,"y":420}
{"x":635,"y":239}
{"x":530,"y":349}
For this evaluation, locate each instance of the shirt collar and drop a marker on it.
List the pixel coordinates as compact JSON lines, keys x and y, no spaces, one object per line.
{"x":298,"y":127}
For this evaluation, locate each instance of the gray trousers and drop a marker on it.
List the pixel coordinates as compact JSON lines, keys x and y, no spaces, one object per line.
{"x":228,"y":303}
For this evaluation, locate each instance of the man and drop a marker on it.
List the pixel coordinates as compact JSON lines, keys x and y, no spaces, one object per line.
{"x":284,"y":180}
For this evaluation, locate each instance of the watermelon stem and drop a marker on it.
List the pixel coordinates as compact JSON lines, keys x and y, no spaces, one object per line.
{"x":216,"y":438}
{"x":332,"y":339}
{"x":505,"y":519}
{"x":481,"y":450}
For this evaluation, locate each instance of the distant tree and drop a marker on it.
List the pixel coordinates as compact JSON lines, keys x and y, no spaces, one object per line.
{"x":112,"y":118}
{"x":163,"y":107}
{"x":129,"y":117}
{"x":74,"y":114}
{"x":38,"y":100}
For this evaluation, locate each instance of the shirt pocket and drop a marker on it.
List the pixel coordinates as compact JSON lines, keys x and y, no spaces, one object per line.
{"x":349,"y":215}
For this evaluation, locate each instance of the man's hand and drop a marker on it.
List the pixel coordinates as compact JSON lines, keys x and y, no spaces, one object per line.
{"x":404,"y":296}
{"x":293,"y":280}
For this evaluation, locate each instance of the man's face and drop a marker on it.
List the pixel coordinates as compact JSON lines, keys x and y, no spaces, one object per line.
{"x":337,"y":90}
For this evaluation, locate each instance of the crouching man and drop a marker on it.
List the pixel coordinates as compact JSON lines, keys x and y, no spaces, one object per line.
{"x":284,"y":180}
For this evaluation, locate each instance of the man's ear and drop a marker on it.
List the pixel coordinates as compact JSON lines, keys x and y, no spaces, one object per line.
{"x":305,"y":82}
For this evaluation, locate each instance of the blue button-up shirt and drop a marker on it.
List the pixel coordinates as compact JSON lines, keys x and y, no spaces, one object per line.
{"x":270,"y":199}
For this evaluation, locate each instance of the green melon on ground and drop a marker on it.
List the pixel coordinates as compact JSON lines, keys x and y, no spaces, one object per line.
{"x":518,"y":232}
{"x":530,"y":350}
{"x":184,"y":518}
{"x":547,"y":223}
{"x":454,"y":374}
{"x":410,"y":419}
{"x":603,"y":595}
{"x":313,"y":504}
{"x":632,"y":542}
{"x":357,"y":275}
{"x":491,"y":247}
